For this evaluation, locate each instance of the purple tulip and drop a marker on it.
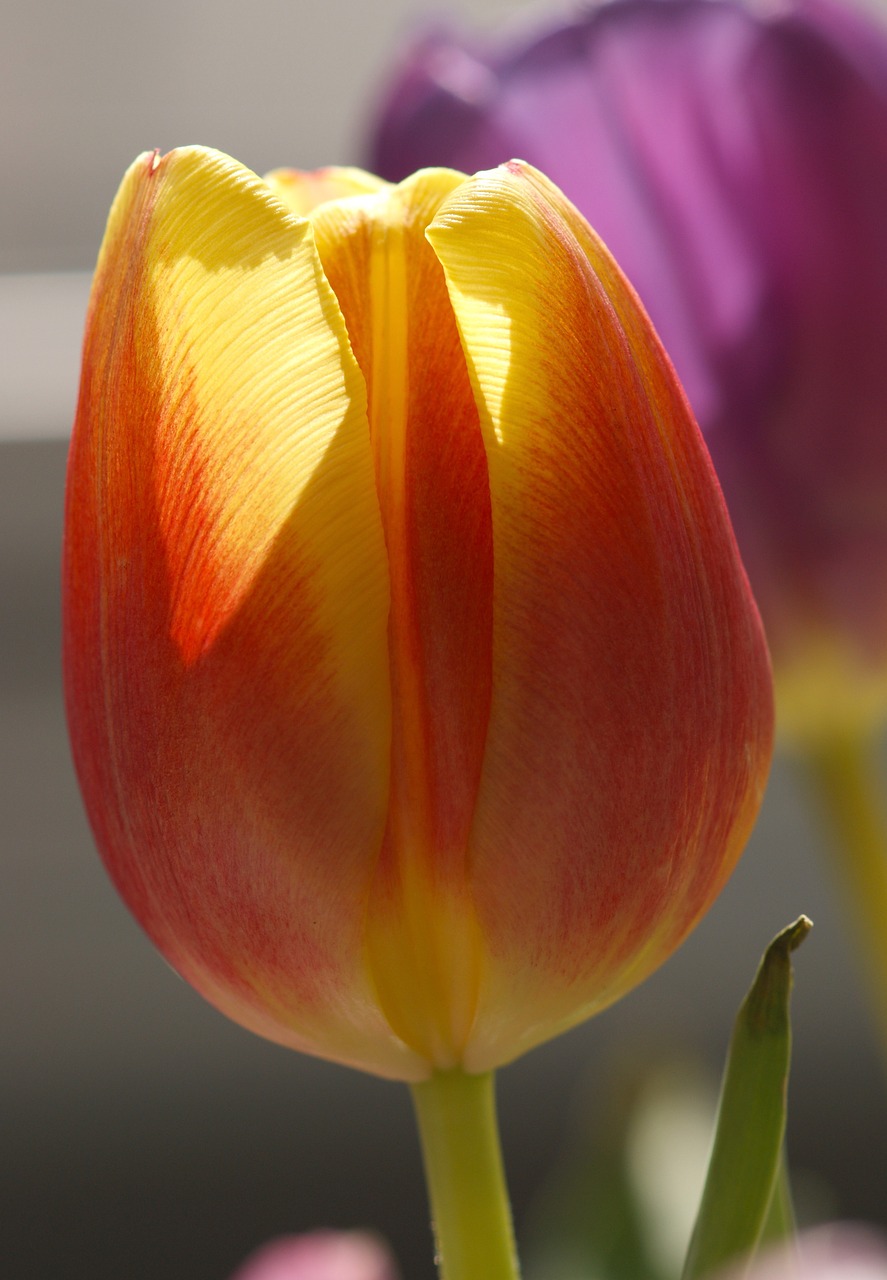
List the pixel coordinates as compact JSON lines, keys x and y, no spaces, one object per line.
{"x":735,"y":162}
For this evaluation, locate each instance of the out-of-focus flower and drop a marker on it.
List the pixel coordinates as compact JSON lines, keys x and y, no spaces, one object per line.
{"x":320,"y":1255}
{"x":828,"y":1253}
{"x":734,"y":160}
{"x":417,"y":695}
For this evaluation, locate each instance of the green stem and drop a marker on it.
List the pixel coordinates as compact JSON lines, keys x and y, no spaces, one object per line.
{"x":844,"y":773}
{"x":466,"y":1180}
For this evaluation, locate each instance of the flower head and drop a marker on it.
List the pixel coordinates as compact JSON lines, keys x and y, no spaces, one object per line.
{"x":417,"y":695}
{"x":734,"y":159}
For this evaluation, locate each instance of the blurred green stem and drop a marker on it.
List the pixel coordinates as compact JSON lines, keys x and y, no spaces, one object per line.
{"x":844,"y":774}
{"x":466,"y":1180}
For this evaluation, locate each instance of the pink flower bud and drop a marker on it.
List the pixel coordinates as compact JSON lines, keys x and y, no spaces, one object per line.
{"x":320,"y":1255}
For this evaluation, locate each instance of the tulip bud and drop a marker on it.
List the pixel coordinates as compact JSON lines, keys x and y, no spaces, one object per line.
{"x":417,"y":695}
{"x":734,"y":159}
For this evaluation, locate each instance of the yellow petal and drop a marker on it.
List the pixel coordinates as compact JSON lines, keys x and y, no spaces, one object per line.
{"x":302,"y":191}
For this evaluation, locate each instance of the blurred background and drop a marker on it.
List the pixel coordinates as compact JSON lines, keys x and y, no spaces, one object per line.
{"x":144,"y":1135}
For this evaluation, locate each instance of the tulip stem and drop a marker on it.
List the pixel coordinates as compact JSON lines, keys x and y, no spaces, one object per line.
{"x":466,"y":1180}
{"x":843,"y":770}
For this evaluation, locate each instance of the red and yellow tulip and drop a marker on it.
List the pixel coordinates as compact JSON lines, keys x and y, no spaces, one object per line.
{"x":416,"y":691}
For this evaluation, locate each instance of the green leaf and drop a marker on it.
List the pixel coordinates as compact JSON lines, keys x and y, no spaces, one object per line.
{"x":779,"y":1225}
{"x":746,"y":1157}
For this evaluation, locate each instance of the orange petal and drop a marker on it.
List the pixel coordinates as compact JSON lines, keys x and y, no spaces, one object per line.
{"x":227,"y":598}
{"x":631,"y":715}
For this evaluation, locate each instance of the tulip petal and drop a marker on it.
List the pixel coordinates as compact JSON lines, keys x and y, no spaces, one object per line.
{"x":227,"y":598}
{"x":631,"y":712}
{"x":434,"y":496}
{"x":303,"y":191}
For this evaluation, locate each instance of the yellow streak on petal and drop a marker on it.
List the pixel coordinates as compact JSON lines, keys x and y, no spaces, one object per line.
{"x":249,"y":331}
{"x":423,"y":942}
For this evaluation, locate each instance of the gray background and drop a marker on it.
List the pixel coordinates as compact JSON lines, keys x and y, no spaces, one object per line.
{"x":143,"y":1135}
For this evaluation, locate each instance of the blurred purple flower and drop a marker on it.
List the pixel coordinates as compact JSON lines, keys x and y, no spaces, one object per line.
{"x":735,"y":161}
{"x":320,"y":1255}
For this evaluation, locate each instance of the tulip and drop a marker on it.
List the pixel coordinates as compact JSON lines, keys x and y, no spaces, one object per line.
{"x":416,"y":692}
{"x":417,"y":695}
{"x":734,"y":160}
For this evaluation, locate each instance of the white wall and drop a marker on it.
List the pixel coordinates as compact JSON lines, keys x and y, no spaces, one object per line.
{"x":85,"y":86}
